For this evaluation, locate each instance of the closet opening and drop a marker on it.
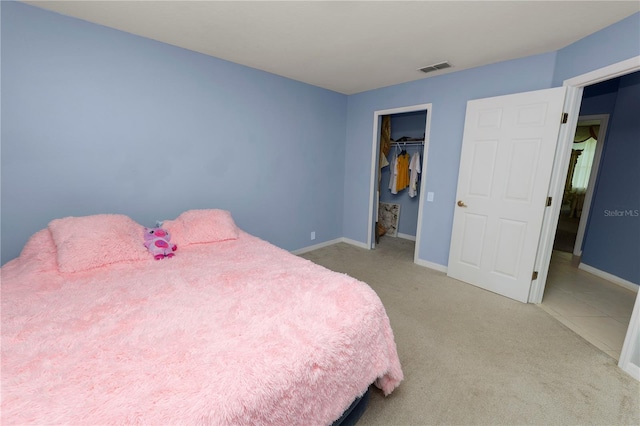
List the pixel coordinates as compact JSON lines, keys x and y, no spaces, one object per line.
{"x":398,"y":168}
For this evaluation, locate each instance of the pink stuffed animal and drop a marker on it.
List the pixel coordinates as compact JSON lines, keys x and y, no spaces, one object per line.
{"x":157,"y":241}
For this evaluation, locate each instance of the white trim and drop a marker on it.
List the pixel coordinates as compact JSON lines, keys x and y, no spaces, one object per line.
{"x":556,"y":189}
{"x":431,"y":265}
{"x":595,"y":164}
{"x":406,"y":236}
{"x":606,"y":73}
{"x":609,"y":277}
{"x":317,"y":246}
{"x":419,"y":262}
{"x":354,"y":243}
{"x":575,"y":87}
{"x":631,"y":343}
{"x":423,"y":178}
{"x":330,"y":243}
{"x":423,"y":181}
{"x":374,"y":168}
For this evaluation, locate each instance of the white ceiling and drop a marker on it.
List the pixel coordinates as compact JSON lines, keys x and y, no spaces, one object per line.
{"x":354,"y":46}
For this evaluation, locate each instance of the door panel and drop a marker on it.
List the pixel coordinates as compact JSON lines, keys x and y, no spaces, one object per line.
{"x":522,"y":169}
{"x":510,"y":238}
{"x":505,"y":167}
{"x":480,"y":182}
{"x":474,"y":228}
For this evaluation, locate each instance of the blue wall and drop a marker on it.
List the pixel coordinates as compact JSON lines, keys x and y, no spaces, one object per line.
{"x":610,"y":45}
{"x":598,"y":99}
{"x":448,"y":95}
{"x":95,"y":120}
{"x":612,"y":241}
{"x":613,"y":44}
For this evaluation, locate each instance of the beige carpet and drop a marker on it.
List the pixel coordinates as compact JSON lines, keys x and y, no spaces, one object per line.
{"x":471,"y":357}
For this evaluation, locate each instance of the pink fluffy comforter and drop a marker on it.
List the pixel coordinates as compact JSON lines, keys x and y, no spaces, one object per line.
{"x":233,"y":332}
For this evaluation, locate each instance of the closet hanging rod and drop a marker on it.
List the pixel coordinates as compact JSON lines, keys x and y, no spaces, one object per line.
{"x":399,"y":143}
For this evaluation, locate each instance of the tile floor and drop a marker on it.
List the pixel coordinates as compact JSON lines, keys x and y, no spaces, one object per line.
{"x":592,"y":307}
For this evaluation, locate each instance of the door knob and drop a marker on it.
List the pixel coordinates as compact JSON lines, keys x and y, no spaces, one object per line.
{"x":461,"y":204}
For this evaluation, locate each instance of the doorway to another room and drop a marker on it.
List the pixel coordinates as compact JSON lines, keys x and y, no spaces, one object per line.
{"x":581,"y":177}
{"x":399,"y":179}
{"x":399,"y":155}
{"x":595,"y":304}
{"x":592,"y":307}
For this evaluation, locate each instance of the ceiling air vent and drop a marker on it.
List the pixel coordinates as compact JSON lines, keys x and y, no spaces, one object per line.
{"x":436,"y":67}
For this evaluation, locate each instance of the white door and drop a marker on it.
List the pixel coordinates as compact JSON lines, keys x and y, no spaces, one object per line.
{"x":505,"y":167}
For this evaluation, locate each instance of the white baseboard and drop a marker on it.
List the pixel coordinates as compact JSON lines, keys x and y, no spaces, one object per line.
{"x":431,"y":265}
{"x":407,"y":236}
{"x":609,"y":277}
{"x":355,"y":243}
{"x":631,"y":369}
{"x":316,"y":246}
{"x":425,"y":263}
{"x":329,"y":243}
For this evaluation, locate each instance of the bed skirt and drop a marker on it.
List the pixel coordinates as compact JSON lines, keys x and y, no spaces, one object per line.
{"x":351,"y":416}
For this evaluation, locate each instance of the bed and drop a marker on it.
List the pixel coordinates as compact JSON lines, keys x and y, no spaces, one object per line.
{"x":230,"y":331}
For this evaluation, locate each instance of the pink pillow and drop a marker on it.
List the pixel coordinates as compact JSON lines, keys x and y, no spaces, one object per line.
{"x":93,"y":241}
{"x":202,"y":226}
{"x":39,"y":253}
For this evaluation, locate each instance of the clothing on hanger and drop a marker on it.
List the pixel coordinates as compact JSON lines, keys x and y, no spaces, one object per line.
{"x":402,"y":180}
{"x":415,"y":169}
{"x":393,"y":168}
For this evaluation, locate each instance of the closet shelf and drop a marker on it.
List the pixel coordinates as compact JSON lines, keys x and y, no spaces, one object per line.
{"x":400,"y":143}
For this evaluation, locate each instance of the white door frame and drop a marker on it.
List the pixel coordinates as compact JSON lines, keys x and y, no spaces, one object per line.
{"x":595,"y":165}
{"x":375,"y":150}
{"x":630,"y":353}
{"x":575,"y":87}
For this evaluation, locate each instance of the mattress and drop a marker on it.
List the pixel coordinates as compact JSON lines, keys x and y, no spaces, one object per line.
{"x":231,"y":331}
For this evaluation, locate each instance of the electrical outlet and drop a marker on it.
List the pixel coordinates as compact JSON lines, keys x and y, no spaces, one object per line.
{"x":313,"y":235}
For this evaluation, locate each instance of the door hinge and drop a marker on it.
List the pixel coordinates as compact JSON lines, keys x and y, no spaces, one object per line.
{"x":549,"y":201}
{"x":534,"y":276}
{"x":565,"y":117}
